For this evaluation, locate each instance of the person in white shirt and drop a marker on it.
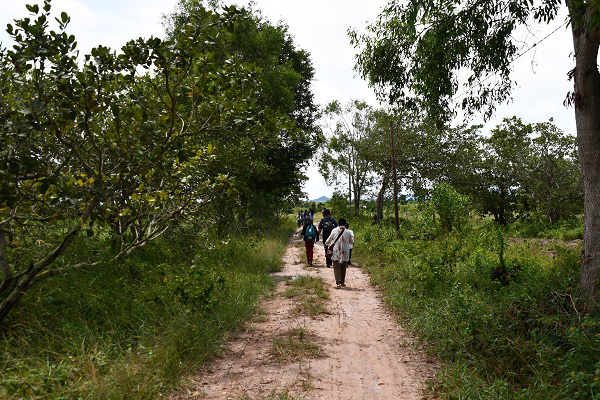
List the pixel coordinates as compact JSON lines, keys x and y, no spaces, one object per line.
{"x":339,"y":242}
{"x":351,"y":243}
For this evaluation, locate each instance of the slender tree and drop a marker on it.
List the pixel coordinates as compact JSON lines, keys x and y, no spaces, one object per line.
{"x":348,"y":150}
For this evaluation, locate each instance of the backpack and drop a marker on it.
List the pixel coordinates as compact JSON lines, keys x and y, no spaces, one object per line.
{"x":310,"y":235}
{"x":328,"y":225}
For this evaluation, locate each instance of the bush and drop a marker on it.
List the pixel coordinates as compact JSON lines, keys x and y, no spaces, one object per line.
{"x":451,"y":207}
{"x":562,"y":230}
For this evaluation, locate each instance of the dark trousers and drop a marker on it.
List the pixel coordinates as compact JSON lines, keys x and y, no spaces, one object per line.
{"x":339,"y":270}
{"x":327,"y":259}
{"x":309,"y":251}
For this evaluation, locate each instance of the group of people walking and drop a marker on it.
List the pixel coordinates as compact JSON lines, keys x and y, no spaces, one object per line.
{"x":303,"y":215}
{"x":338,"y":241}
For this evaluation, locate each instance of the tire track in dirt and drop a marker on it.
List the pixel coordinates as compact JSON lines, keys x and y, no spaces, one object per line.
{"x":366,"y":354}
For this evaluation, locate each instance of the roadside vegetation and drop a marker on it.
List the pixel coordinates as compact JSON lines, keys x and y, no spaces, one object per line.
{"x":132,"y":331}
{"x":143,"y":194}
{"x":499,"y":312}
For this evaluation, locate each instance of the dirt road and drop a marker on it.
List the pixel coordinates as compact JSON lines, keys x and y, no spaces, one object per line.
{"x":364,"y":354}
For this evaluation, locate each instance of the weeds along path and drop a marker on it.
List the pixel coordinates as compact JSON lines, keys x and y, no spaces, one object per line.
{"x":312,"y":341}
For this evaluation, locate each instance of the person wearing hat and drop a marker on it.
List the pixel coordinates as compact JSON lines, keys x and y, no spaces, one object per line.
{"x":326,"y":225}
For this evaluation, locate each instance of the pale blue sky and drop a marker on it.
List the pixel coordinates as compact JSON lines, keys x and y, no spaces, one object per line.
{"x":320,"y":27}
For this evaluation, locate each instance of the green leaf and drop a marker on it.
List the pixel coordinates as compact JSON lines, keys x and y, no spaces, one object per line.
{"x":33,"y":8}
{"x":43,"y":188}
{"x":37,"y":105}
{"x":64,"y":17}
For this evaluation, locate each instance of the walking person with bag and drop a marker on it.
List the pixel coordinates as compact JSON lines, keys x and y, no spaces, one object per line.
{"x":326,"y":225}
{"x":310,"y":235}
{"x":338,"y":245}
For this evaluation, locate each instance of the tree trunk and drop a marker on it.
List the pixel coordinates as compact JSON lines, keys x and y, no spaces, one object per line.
{"x":502,"y":205}
{"x":243,"y":216}
{"x":17,"y":293}
{"x":28,"y":277}
{"x":502,"y":217}
{"x":379,"y":213}
{"x":587,"y":117}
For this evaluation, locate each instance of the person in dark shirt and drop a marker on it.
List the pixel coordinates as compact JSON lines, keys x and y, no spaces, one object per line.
{"x":326,"y":225}
{"x":299,"y":219}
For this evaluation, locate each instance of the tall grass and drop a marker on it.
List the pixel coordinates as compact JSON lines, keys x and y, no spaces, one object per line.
{"x":519,"y":337}
{"x":131,"y":331}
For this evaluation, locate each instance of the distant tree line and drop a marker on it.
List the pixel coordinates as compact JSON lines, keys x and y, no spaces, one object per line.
{"x":519,"y":170}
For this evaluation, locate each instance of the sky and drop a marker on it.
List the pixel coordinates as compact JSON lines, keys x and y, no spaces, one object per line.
{"x":320,"y":27}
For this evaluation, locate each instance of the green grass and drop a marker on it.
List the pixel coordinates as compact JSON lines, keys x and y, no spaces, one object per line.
{"x":133,"y":330}
{"x":562,"y":230}
{"x":295,"y":344}
{"x":310,"y":294}
{"x":521,"y":339}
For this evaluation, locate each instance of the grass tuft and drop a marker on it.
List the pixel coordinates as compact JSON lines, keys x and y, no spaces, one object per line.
{"x":285,"y":395}
{"x":294,"y":345}
{"x":310,"y":294}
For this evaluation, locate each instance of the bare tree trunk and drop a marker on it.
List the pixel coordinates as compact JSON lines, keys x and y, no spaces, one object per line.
{"x":356,"y":201}
{"x":587,"y":117}
{"x":349,"y":186}
{"x":379,"y":213}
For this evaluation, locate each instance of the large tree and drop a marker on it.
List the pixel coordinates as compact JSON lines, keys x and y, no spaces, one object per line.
{"x":505,"y":159}
{"x":551,"y":180}
{"x":122,"y":144}
{"x":416,"y":53}
{"x":267,"y":164}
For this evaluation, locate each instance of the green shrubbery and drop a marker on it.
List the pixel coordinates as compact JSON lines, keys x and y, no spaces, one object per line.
{"x":519,"y":336}
{"x":131,"y":331}
{"x":562,"y":230}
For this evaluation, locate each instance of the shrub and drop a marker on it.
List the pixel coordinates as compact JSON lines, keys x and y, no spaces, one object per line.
{"x":451,"y":207}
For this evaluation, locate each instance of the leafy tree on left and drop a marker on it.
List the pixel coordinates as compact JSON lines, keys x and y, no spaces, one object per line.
{"x":264,"y":163}
{"x":103,"y":147}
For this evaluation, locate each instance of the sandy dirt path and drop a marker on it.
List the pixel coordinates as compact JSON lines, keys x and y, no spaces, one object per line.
{"x":366,"y":354}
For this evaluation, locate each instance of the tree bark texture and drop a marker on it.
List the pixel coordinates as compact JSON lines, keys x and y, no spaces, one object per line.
{"x":356,"y":203}
{"x":587,"y":117}
{"x":379,"y":213}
